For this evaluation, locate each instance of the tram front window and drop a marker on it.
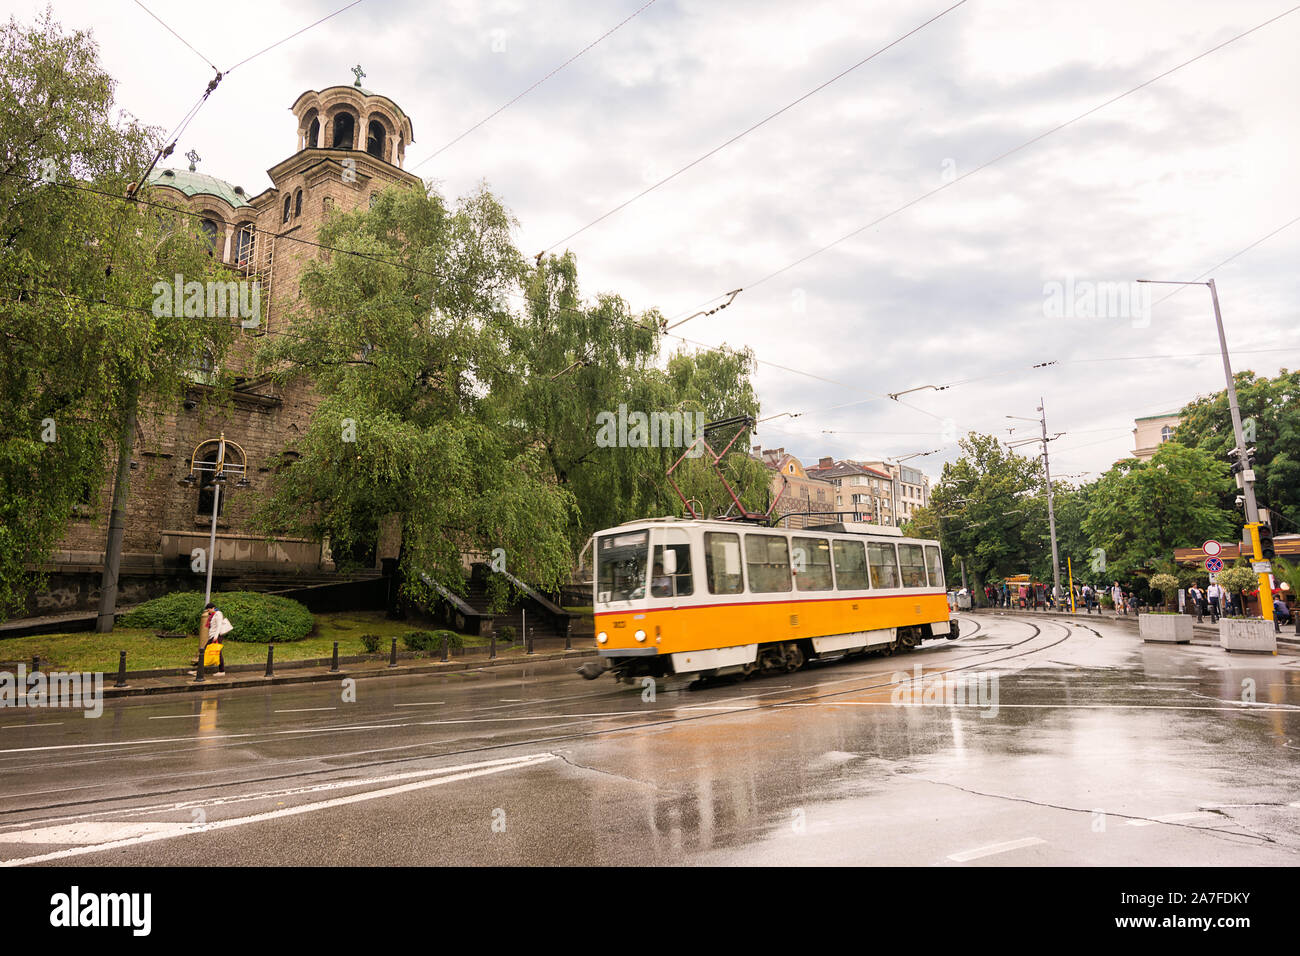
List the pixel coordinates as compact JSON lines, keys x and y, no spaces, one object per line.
{"x":621,"y":566}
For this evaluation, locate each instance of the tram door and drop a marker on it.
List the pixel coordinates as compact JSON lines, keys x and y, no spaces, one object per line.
{"x":672,"y":577}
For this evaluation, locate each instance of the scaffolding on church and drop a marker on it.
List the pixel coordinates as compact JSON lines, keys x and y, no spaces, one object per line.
{"x":255,"y":255}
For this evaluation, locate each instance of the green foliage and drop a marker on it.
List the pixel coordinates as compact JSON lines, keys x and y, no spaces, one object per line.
{"x":985,"y":510}
{"x":472,"y":420}
{"x":507,"y":633}
{"x":1140,"y":511}
{"x":1166,"y":585}
{"x":1273,"y":404}
{"x":371,"y":642}
{"x":431,"y":641}
{"x":1239,"y":577}
{"x":81,"y":349}
{"x":257,"y":618}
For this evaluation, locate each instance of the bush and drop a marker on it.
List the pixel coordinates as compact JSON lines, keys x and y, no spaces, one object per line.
{"x":258,"y":618}
{"x":418,"y":640}
{"x":1166,"y":585}
{"x":431,"y":640}
{"x":507,"y":633}
{"x":371,"y":642}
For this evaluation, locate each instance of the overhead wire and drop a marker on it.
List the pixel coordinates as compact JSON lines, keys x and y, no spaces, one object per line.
{"x":749,"y":286}
{"x":505,"y":106}
{"x":741,"y":135}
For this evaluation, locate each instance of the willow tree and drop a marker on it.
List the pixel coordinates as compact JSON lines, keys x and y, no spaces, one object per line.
{"x":461,"y":388}
{"x":593,"y":389}
{"x":82,"y":350}
{"x":407,"y":343}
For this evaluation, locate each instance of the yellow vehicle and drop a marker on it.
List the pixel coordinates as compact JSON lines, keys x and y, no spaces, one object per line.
{"x":709,"y":597}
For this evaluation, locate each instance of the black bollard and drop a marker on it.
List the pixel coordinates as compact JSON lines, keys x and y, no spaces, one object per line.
{"x":36,"y":663}
{"x":528,"y":640}
{"x":446,"y":647}
{"x":492,"y":647}
{"x":334,"y":661}
{"x":121,"y":669}
{"x":198,"y":671}
{"x":568,"y":640}
{"x":270,"y":660}
{"x":392,"y":655}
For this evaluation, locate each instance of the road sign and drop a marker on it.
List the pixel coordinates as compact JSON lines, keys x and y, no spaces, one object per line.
{"x":1212,"y":548}
{"x":1214,"y":565}
{"x":1262,"y":567}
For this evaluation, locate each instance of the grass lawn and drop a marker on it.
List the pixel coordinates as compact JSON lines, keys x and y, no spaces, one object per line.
{"x":87,"y":651}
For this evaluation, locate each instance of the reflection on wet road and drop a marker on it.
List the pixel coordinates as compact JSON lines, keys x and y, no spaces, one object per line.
{"x":1024,"y":742}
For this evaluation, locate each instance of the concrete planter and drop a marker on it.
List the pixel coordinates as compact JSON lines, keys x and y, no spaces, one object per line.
{"x":1166,"y":628}
{"x":1247,"y":634}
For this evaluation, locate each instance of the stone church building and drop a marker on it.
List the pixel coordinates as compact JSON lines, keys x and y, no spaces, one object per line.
{"x":350,"y":145}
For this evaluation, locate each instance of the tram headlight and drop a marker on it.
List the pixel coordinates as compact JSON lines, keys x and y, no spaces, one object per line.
{"x":602,"y":637}
{"x":640,"y":636}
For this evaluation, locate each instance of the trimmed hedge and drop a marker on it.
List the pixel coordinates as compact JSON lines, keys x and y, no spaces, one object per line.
{"x":258,"y":618}
{"x":431,"y":640}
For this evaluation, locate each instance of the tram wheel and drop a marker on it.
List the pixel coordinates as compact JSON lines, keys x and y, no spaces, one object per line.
{"x":794,"y":658}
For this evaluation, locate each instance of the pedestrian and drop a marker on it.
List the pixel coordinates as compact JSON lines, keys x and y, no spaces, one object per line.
{"x":1202,"y":603}
{"x":213,"y":626}
{"x":1087,"y":598}
{"x":1117,"y":598}
{"x":1281,"y":613}
{"x":1215,"y":597}
{"x":1194,"y":595}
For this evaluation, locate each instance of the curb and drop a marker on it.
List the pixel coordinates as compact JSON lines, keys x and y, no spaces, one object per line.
{"x":189,"y":686}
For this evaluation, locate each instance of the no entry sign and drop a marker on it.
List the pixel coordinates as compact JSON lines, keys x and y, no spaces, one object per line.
{"x":1212,"y":548}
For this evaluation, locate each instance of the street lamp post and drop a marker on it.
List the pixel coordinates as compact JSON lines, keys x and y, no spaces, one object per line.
{"x":1051,"y":512}
{"x":220,"y":469}
{"x":1246,"y":478}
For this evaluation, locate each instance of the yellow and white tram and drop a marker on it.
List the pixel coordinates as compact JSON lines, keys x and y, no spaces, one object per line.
{"x":707,"y":597}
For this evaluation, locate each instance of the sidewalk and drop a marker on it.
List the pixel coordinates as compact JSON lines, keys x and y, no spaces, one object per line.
{"x":1204,"y":633}
{"x":144,"y":683}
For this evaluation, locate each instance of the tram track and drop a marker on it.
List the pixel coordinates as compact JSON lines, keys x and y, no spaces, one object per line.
{"x":981,"y":658}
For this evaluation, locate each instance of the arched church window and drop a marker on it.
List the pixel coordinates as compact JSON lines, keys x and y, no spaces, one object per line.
{"x":313,"y":134}
{"x":297,"y":205}
{"x":287,"y":200}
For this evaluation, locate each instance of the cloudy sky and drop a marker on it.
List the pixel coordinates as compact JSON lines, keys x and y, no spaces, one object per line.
{"x":1166,"y":183}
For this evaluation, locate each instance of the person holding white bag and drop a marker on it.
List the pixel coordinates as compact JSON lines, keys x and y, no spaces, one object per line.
{"x":213,"y":626}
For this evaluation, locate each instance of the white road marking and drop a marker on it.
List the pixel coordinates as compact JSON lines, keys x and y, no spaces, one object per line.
{"x":56,"y":723}
{"x":304,"y":710}
{"x":180,"y":716}
{"x":92,"y":832}
{"x":995,"y":848}
{"x":174,"y":830}
{"x":1199,"y":816}
{"x":424,"y":703}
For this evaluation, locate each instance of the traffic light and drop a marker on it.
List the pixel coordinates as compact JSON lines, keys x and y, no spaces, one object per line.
{"x":1266,"y":542}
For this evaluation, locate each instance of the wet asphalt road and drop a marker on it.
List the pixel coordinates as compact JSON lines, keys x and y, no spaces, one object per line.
{"x":1086,"y":748}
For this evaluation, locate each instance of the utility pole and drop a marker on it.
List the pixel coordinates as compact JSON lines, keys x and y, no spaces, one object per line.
{"x":1051,"y":511}
{"x":1245,"y":474}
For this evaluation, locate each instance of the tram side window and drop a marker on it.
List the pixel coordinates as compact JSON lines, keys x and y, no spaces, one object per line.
{"x":768,"y":559}
{"x":722,"y":563}
{"x":677,"y":584}
{"x":911,"y":560}
{"x":812,"y":563}
{"x":934,"y":561}
{"x":851,"y":566}
{"x":884,"y":565}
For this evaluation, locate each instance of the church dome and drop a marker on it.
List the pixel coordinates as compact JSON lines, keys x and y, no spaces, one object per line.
{"x":353,"y":118}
